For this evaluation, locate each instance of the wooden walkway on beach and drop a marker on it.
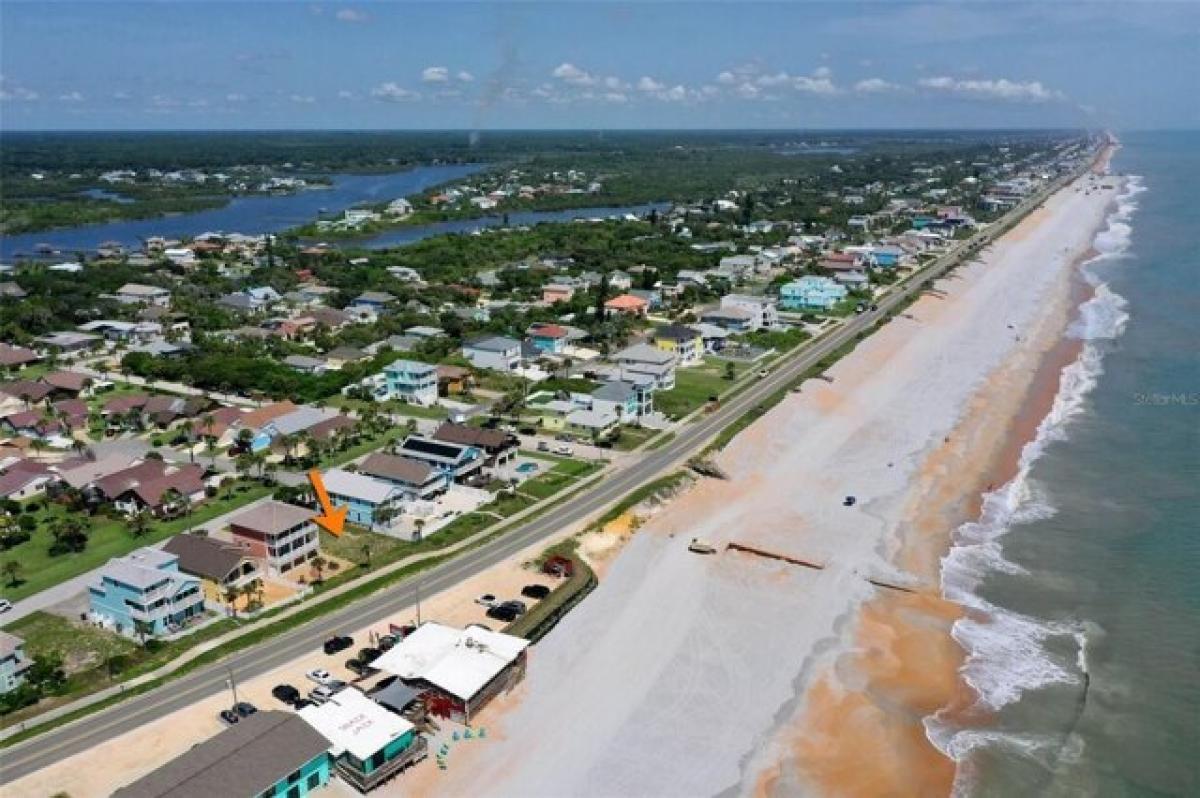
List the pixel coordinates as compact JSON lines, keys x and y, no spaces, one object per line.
{"x":770,"y":555}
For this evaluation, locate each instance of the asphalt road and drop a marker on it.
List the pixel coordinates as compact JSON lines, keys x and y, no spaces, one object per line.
{"x":57,"y":744}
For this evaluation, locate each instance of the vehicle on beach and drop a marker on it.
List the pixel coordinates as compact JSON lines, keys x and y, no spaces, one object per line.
{"x":849,"y":501}
{"x":486,"y":600}
{"x":698,"y":546}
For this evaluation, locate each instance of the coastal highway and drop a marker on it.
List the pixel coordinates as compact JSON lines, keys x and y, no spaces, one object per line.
{"x":61,"y":742}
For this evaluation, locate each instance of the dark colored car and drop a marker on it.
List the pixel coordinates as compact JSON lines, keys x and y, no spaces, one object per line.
{"x":535,"y":591}
{"x":229,"y":716}
{"x":357,"y":667}
{"x":387,"y":642}
{"x":340,"y":643}
{"x":849,"y":501}
{"x":302,"y":703}
{"x":286,"y":693}
{"x":502,"y":613}
{"x":516,"y":606}
{"x":244,"y":709}
{"x":368,"y":655}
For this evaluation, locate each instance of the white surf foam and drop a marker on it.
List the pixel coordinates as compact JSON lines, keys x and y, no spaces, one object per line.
{"x":1006,"y":651}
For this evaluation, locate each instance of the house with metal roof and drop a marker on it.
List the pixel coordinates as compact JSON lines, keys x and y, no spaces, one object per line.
{"x":220,"y":565}
{"x":269,"y":753}
{"x":416,"y":479}
{"x":494,"y":352}
{"x":463,"y":668}
{"x":363,"y":496}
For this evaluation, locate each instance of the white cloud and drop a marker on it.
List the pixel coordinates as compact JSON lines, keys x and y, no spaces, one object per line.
{"x":303,"y":99}
{"x":820,"y":84}
{"x":394,"y":93}
{"x":351,"y":15}
{"x":235,"y":97}
{"x":122,"y":96}
{"x":71,"y":97}
{"x":345,"y":94}
{"x":648,"y":83}
{"x":823,"y":72}
{"x":616,"y":97}
{"x":613,"y":83}
{"x":569,"y":73}
{"x":465,"y":76}
{"x":435,"y":74}
{"x":874,"y":86}
{"x":727,"y":78}
{"x":993,"y":89}
{"x":748,"y":91}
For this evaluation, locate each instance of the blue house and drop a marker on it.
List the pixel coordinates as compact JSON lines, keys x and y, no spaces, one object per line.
{"x":362,"y":495}
{"x":376,"y":301}
{"x":548,"y":339}
{"x":146,"y":586}
{"x":412,"y":382}
{"x":885,"y":257}
{"x":13,"y":662}
{"x":811,"y":292}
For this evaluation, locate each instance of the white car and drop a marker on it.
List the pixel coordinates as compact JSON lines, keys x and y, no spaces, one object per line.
{"x":320,"y":676}
{"x":5,"y":605}
{"x":562,"y":448}
{"x":486,"y":600}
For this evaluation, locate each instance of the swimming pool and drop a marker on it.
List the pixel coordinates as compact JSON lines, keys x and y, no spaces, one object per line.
{"x":527,"y":468}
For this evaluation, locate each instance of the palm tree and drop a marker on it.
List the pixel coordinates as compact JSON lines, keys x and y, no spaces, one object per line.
{"x":366,"y":550}
{"x":138,"y":523}
{"x":319,"y":564}
{"x":12,"y":571}
{"x":231,"y":596}
{"x":170,"y":500}
{"x":419,"y":525}
{"x":142,"y":629}
{"x":188,"y":428}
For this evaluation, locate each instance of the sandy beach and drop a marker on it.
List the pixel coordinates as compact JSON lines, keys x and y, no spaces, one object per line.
{"x":686,"y":675}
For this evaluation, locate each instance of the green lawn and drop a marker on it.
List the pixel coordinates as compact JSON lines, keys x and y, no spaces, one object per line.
{"x":633,"y":437}
{"x":109,"y":537}
{"x":694,"y":385}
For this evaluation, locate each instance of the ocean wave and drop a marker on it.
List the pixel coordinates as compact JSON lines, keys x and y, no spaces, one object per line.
{"x":1006,"y":652}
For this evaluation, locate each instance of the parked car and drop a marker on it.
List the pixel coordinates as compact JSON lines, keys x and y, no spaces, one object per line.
{"x":369,"y":655}
{"x":764,"y":372}
{"x":516,"y":606}
{"x":340,"y":643}
{"x":229,"y":716}
{"x":501,"y":613}
{"x":563,"y":448}
{"x":245,"y":710}
{"x":535,"y":591}
{"x":319,"y":675}
{"x":358,"y":668}
{"x":286,"y":693}
{"x":5,"y":605}
{"x":849,"y":501}
{"x":323,"y":692}
{"x":563,"y":438}
{"x":486,"y":600}
{"x":301,"y":703}
{"x":387,"y":642}
{"x":543,"y":446}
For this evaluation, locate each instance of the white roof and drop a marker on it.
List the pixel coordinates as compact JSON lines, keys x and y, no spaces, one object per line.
{"x":352,"y":722}
{"x":358,"y":486}
{"x":459,"y":661}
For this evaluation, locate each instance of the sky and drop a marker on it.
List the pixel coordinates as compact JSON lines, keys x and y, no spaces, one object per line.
{"x":506,"y":65}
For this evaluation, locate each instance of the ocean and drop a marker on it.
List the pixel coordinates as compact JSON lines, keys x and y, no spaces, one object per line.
{"x":1082,"y":575}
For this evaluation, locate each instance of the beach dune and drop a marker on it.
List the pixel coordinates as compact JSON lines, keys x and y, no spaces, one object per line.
{"x":688,"y":675}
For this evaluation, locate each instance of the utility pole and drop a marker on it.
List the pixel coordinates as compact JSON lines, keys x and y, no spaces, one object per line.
{"x":418,"y":589}
{"x":232,"y":684}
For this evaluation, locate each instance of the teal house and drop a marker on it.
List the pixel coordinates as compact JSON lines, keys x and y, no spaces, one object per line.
{"x":267,"y":754}
{"x":368,"y":744}
{"x":811,"y":293}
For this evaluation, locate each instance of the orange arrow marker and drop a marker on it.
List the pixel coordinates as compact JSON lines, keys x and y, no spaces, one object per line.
{"x":333,"y":519}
